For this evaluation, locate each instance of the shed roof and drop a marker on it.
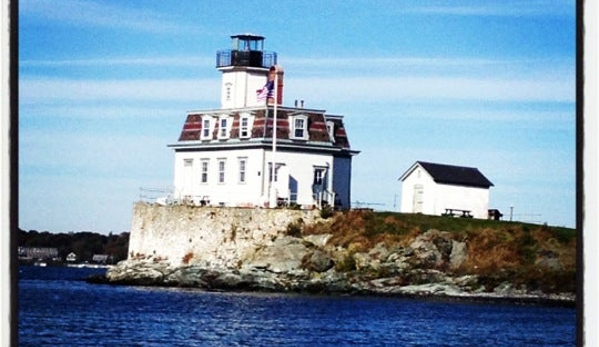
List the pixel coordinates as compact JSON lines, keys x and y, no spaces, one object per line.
{"x":452,"y":174}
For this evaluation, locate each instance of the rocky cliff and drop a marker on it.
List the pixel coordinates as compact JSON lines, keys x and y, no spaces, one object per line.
{"x":298,"y":251}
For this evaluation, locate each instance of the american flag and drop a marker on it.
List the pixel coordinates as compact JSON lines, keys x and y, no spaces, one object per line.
{"x":266,"y":92}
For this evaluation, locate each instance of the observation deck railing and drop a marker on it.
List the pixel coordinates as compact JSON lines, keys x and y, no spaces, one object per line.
{"x":228,"y":57}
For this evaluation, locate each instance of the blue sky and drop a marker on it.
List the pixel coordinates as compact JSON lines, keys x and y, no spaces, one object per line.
{"x":105,"y":85}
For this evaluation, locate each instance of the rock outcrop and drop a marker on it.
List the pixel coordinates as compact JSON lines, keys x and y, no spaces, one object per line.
{"x":243,"y":256}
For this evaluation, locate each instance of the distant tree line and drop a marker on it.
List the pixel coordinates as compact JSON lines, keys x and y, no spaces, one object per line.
{"x":84,"y":244}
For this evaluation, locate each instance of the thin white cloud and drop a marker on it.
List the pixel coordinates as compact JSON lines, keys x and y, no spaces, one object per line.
{"x":551,"y":89}
{"x":369,"y":89}
{"x":517,"y":8}
{"x":297,"y":63}
{"x":556,"y":119}
{"x":188,"y":61}
{"x":96,"y":14}
{"x":83,"y":111}
{"x":542,"y":69}
{"x":306,"y":65}
{"x":393,"y":61}
{"x":33,"y":90}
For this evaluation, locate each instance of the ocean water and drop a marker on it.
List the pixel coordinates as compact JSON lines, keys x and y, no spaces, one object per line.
{"x":57,"y":308}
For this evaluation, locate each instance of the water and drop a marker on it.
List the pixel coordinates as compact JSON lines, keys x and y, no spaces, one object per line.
{"x":56,"y":308}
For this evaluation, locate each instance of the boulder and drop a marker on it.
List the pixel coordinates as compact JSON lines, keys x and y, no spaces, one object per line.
{"x":548,"y":259}
{"x":379,"y":252}
{"x":317,"y":261}
{"x":138,"y":272}
{"x":284,"y":255}
{"x":459,"y":254}
{"x":444,"y":244}
{"x":436,"y":249}
{"x":318,"y":240}
{"x":362,"y":261}
{"x":424,"y":254}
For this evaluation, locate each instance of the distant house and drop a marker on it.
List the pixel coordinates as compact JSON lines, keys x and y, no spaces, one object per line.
{"x":440,"y":189}
{"x":43,"y":253}
{"x":71,"y":257}
{"x":99,"y":258}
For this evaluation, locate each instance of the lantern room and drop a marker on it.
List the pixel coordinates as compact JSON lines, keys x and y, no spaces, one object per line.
{"x":247,"y":50}
{"x":245,"y":70}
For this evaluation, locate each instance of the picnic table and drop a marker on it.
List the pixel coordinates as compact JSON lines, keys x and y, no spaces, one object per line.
{"x":456,"y":212}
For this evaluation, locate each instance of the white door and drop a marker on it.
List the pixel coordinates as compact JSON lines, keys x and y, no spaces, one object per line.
{"x":282,"y":182}
{"x":418,"y":199}
{"x":187,"y":177}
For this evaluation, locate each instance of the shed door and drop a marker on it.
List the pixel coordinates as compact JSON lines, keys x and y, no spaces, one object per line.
{"x":418,"y":199}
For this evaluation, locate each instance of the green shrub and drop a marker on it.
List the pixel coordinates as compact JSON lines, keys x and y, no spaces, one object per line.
{"x":564,"y":235}
{"x":348,"y":263}
{"x":295,"y":228}
{"x":527,"y":247}
{"x":326,"y":212}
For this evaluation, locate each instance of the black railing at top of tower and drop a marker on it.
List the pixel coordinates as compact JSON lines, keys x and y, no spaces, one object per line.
{"x":228,"y":57}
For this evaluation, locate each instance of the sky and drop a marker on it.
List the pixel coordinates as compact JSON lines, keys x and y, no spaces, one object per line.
{"x":104,"y":86}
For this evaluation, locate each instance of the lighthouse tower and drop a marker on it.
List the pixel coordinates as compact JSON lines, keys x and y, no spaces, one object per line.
{"x":255,"y":152}
{"x":245,"y":70}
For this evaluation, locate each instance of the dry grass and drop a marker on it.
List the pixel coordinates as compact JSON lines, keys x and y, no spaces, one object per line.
{"x":496,"y":249}
{"x":490,"y":250}
{"x":362,"y":229}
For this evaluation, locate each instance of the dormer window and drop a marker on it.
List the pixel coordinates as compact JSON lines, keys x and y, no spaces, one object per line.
{"x":245,"y":125}
{"x":299,"y":127}
{"x":207,"y":125}
{"x":223,"y":127}
{"x":206,"y":128}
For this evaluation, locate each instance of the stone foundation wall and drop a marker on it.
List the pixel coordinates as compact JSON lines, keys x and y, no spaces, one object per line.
{"x":215,"y":236}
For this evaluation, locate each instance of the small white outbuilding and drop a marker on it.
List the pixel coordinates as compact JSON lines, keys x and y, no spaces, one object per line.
{"x":440,"y":189}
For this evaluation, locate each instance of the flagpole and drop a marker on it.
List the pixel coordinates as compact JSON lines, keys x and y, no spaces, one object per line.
{"x":273,"y":196}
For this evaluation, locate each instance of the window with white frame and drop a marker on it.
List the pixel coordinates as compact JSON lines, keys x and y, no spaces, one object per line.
{"x":207,"y":123}
{"x":245,"y":126}
{"x":204,"y":171}
{"x":187,"y":162}
{"x":276,"y":172}
{"x":299,"y":127}
{"x":318,"y":176}
{"x":242,"y":170}
{"x":221,"y":170}
{"x":224,"y":128}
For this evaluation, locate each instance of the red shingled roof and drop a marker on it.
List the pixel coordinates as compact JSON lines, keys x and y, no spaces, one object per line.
{"x":262,"y":126}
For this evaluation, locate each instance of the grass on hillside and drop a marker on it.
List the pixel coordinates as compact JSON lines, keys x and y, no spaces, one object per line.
{"x":496,"y":249}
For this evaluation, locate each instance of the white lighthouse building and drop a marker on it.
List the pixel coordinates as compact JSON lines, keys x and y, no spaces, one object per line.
{"x":232,"y":157}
